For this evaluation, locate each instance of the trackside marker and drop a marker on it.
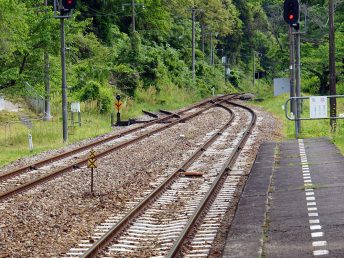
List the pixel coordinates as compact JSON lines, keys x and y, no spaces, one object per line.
{"x":312,"y":211}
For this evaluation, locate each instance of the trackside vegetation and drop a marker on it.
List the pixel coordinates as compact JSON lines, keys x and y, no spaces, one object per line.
{"x":150,"y":67}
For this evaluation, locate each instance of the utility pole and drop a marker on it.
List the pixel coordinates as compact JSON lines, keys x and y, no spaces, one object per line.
{"x":132,"y":5}
{"x":133,"y":14}
{"x":64,"y":82}
{"x":211,"y":49}
{"x":47,"y":113}
{"x":333,"y":101}
{"x":193,"y":11}
{"x":203,"y":37}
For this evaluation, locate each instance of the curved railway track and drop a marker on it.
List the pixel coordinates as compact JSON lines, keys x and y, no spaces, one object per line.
{"x":13,"y":183}
{"x":182,"y":215}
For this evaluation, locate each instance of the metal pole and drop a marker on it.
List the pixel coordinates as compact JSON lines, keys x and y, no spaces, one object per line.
{"x":64,"y":83}
{"x":298,"y":80}
{"x":203,"y":37}
{"x":332,"y":64}
{"x":292,"y":77}
{"x":92,"y":180}
{"x":133,"y":14}
{"x":225,"y":65}
{"x":193,"y":43}
{"x":254,"y":70}
{"x":211,"y":48}
{"x":47,"y":112}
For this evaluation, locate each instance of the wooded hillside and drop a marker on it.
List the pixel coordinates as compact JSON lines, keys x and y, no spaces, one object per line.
{"x":105,"y":55}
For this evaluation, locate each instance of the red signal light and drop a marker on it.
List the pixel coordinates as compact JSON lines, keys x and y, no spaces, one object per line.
{"x":291,"y":17}
{"x":69,"y":4}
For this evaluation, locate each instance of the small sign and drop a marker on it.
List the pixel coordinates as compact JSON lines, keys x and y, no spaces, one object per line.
{"x":281,"y":86}
{"x":75,"y":107}
{"x":118,"y":105}
{"x":29,"y":136}
{"x":92,"y":160}
{"x":318,"y":107}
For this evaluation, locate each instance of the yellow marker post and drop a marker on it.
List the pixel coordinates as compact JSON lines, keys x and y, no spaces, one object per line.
{"x":118,"y":105}
{"x":91,"y":163}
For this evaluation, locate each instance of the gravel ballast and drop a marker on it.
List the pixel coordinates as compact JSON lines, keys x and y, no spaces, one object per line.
{"x":49,"y":219}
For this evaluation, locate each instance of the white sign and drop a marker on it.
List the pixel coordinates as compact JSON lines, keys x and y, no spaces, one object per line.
{"x":75,"y":107}
{"x":318,"y":107}
{"x":281,"y":85}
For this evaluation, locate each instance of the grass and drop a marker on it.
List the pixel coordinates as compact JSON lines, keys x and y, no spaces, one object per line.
{"x":47,"y":135}
{"x":310,"y":129}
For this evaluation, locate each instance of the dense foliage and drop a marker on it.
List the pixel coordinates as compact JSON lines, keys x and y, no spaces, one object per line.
{"x":105,"y":56}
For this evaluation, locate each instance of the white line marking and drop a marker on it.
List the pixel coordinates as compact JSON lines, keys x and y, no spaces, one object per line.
{"x":319,"y":243}
{"x":317,"y":234}
{"x":309,"y":191}
{"x":320,"y":252}
{"x":315,"y":227}
{"x":311,"y":203}
{"x":314,"y":221}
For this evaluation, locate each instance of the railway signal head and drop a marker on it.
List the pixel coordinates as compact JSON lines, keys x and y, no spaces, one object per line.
{"x":291,"y":11}
{"x":118,"y":97}
{"x":69,"y":4}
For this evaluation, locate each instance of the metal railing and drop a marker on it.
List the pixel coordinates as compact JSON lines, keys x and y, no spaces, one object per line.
{"x":295,"y":118}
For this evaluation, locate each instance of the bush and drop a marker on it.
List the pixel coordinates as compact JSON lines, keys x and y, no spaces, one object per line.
{"x":103,"y":96}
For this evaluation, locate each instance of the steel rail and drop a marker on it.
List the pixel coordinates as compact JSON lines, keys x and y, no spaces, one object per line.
{"x":136,"y":211}
{"x":46,"y":161}
{"x":103,"y":153}
{"x":151,"y":114}
{"x":166,"y":112}
{"x":208,"y":199}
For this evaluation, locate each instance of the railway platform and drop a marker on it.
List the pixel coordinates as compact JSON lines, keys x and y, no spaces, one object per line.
{"x":292,"y":204}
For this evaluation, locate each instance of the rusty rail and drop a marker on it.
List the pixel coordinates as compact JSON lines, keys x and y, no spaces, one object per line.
{"x":136,"y":211}
{"x":46,"y":161}
{"x":217,"y":184}
{"x":63,"y":170}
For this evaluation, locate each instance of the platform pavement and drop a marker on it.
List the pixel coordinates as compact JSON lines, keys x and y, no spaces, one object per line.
{"x":292,"y":204}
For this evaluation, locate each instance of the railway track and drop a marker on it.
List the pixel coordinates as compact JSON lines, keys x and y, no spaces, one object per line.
{"x":182,"y":215}
{"x":28,"y":176}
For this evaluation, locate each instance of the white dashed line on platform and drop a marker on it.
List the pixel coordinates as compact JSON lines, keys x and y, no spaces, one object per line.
{"x":310,"y":198}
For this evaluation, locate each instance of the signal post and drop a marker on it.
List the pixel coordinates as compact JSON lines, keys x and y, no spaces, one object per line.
{"x":291,"y":16}
{"x":63,"y":9}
